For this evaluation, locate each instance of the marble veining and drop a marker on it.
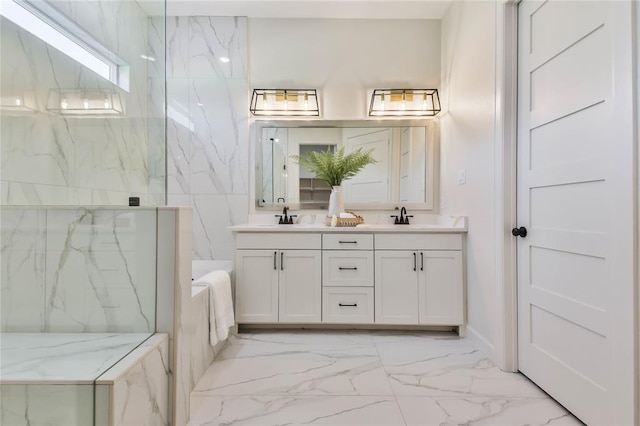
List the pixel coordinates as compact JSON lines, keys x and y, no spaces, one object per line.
{"x":78,"y":270}
{"x":68,"y":405}
{"x":69,"y":358}
{"x":50,"y":158}
{"x":207,"y":129}
{"x":141,"y":396}
{"x":365,"y":378}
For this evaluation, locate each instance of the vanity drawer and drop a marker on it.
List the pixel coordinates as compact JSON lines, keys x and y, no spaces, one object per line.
{"x":347,"y":241}
{"x":278,"y":241}
{"x":347,"y":268}
{"x":347,"y":305}
{"x":418,"y":242}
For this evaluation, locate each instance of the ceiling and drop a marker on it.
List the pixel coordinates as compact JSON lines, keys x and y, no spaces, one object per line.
{"x":351,"y":9}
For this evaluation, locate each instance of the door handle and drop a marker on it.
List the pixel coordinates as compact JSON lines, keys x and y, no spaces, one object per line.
{"x":348,"y":242}
{"x":275,"y":260}
{"x":348,"y":269}
{"x":415,"y":261}
{"x":347,"y":304}
{"x":519,"y":232}
{"x":421,"y":261}
{"x":282,"y":261}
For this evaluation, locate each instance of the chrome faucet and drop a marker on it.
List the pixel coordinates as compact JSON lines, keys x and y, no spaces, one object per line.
{"x":285,"y":219}
{"x":403,"y":219}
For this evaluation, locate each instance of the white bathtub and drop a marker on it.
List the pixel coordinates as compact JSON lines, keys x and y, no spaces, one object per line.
{"x":200,"y":268}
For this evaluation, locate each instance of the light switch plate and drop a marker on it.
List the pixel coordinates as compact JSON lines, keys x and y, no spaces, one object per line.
{"x":462,"y":176}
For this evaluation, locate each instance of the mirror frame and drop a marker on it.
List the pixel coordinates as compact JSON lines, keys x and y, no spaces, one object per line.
{"x":433,"y":160}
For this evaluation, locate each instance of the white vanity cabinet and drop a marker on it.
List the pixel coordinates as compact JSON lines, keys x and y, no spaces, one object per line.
{"x":419,"y":279}
{"x":278,"y":278}
{"x":372,"y":276}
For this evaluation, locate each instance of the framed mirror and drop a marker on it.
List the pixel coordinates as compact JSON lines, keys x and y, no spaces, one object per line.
{"x":405,"y":173}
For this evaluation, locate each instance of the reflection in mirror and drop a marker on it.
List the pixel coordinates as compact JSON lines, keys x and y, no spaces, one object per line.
{"x":404,"y":172}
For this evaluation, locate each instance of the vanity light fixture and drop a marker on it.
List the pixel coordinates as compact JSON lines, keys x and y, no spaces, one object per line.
{"x":404,"y":103}
{"x":85,"y":103}
{"x":15,"y":105}
{"x":285,"y":102}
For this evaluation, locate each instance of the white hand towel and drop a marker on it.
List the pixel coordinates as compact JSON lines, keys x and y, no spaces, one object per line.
{"x":220,"y":305}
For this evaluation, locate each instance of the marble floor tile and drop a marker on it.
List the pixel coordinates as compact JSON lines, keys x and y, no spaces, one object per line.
{"x":287,"y":410}
{"x":483,"y":411}
{"x":304,"y":337}
{"x":430,"y":370}
{"x":365,"y":377}
{"x":269,"y":376}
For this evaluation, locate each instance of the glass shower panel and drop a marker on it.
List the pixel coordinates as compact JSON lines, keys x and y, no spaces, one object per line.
{"x":70,"y":134}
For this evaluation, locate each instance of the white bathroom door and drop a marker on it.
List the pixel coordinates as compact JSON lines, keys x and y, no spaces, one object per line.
{"x":575,"y":198}
{"x":371,"y":185}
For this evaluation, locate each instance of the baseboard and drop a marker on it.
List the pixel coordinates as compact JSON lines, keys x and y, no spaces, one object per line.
{"x":485,"y":345}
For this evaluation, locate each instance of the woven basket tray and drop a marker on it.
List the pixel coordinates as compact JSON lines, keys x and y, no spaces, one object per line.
{"x":346,"y":222}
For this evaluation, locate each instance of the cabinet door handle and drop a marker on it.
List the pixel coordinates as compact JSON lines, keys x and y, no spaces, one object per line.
{"x":348,"y":304}
{"x":415,"y":262}
{"x":282,"y":261}
{"x":275,"y":260}
{"x":348,"y":242}
{"x":421,"y":261}
{"x":348,"y":269}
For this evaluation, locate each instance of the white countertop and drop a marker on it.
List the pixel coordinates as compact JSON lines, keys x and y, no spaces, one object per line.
{"x":437,"y":224}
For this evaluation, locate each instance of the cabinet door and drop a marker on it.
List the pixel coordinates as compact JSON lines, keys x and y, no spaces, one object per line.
{"x":256,"y":286}
{"x":300,"y":286}
{"x":396,"y":287}
{"x":441,"y":288}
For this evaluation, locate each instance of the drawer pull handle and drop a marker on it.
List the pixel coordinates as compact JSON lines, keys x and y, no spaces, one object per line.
{"x":348,"y":269}
{"x":275,"y":260}
{"x":421,"y":261}
{"x":282,"y":261}
{"x":347,"y":304}
{"x":348,"y":242}
{"x":415,"y":262}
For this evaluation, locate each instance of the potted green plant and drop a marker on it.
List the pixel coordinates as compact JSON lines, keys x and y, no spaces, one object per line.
{"x":334,"y":167}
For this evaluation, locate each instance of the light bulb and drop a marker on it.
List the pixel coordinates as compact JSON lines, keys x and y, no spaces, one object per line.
{"x":265,"y":101}
{"x":63,"y":104}
{"x":286,"y":104}
{"x":85,"y":103}
{"x":18,"y":101}
{"x":404,"y":102}
{"x":382,"y":102}
{"x":306,"y":102}
{"x":424,"y":102}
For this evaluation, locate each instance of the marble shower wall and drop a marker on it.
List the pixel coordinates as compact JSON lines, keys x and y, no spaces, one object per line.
{"x":54,"y":159}
{"x":207,"y":127}
{"x":78,"y":270}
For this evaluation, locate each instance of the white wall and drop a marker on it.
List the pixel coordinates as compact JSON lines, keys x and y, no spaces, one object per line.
{"x":468,"y":138}
{"x":343,"y":58}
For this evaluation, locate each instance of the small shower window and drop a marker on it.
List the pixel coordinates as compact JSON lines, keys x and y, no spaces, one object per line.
{"x":53,"y":27}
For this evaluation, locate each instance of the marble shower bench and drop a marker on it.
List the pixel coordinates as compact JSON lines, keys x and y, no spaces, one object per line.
{"x":84,"y":378}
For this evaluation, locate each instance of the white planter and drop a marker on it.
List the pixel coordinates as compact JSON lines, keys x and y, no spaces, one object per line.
{"x":336,"y":201}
